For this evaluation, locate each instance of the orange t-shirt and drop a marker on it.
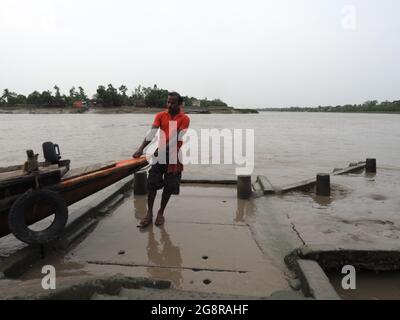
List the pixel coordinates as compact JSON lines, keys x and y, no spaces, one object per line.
{"x":162,"y":120}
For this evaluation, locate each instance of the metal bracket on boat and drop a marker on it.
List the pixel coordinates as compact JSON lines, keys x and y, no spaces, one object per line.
{"x":32,"y":164}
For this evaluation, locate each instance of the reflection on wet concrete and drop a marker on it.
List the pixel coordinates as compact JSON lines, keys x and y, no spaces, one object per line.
{"x":370,"y":176}
{"x":338,"y":193}
{"x":162,"y":252}
{"x":322,"y":201}
{"x":360,"y":211}
{"x":245,"y":209}
{"x":201,"y":247}
{"x":140,"y":206}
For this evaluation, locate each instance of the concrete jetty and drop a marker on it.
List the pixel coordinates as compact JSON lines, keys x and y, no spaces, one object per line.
{"x":275,"y":245}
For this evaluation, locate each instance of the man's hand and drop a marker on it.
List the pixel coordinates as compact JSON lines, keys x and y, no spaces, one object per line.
{"x":138,"y":153}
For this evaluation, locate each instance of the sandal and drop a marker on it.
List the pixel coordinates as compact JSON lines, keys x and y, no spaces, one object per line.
{"x":159,"y":221}
{"x":145,"y":221}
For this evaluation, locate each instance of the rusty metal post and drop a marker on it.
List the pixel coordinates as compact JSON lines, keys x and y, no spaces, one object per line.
{"x":323,"y":187}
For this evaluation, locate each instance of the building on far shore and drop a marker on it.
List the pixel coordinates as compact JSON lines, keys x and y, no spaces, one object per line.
{"x":91,"y":103}
{"x":195,"y":109}
{"x":79,"y":104}
{"x":220,"y":109}
{"x":196,"y":103}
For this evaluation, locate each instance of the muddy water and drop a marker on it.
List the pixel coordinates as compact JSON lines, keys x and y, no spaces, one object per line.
{"x":370,"y":285}
{"x":288,"y":146}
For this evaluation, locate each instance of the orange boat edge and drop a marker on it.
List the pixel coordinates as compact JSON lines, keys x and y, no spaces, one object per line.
{"x":74,"y":187}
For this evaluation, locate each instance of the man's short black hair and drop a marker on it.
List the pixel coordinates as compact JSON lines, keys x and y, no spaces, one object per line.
{"x":176,"y":94}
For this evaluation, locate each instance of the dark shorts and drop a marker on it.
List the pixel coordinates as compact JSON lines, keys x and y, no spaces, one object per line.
{"x":159,"y":178}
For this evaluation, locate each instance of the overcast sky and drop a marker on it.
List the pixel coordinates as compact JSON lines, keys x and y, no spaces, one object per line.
{"x":248,"y":53}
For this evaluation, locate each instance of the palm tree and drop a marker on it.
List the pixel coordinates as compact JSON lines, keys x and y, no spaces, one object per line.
{"x":72,"y":92}
{"x":6,"y":95}
{"x":82,"y":94}
{"x":123,"y":89}
{"x":57,"y":91}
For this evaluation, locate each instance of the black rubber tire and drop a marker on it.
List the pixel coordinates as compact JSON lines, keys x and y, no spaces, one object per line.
{"x":16,"y":216}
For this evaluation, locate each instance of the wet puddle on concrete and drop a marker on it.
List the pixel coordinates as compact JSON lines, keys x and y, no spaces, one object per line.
{"x":363,"y":210}
{"x":205,"y":245}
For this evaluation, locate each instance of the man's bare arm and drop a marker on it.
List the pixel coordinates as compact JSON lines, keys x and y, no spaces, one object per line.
{"x":147,"y":140}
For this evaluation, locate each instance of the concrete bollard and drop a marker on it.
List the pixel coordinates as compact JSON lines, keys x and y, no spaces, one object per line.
{"x":370,"y":165}
{"x":323,"y":185}
{"x":244,"y":189}
{"x":140,"y":183}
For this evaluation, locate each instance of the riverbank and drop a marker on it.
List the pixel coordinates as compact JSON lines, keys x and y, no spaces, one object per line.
{"x":316,"y":111}
{"x":116,"y":110}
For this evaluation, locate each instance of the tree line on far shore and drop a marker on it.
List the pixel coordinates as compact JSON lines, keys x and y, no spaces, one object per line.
{"x":150,"y":97}
{"x":368,"y":106}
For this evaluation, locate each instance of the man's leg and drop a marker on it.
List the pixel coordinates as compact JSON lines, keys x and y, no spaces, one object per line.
{"x":166,"y":195}
{"x":151,"y":196}
{"x":154,"y":182}
{"x":171,"y":186}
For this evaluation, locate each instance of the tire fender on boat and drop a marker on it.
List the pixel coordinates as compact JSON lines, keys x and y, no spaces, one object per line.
{"x":17,"y":221}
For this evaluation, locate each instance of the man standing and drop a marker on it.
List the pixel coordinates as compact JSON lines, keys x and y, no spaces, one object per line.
{"x":166,"y":173}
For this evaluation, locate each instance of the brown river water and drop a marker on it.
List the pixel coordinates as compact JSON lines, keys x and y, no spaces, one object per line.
{"x":287,"y":146}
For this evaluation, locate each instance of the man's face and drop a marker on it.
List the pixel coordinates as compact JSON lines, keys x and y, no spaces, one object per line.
{"x":173,"y":104}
